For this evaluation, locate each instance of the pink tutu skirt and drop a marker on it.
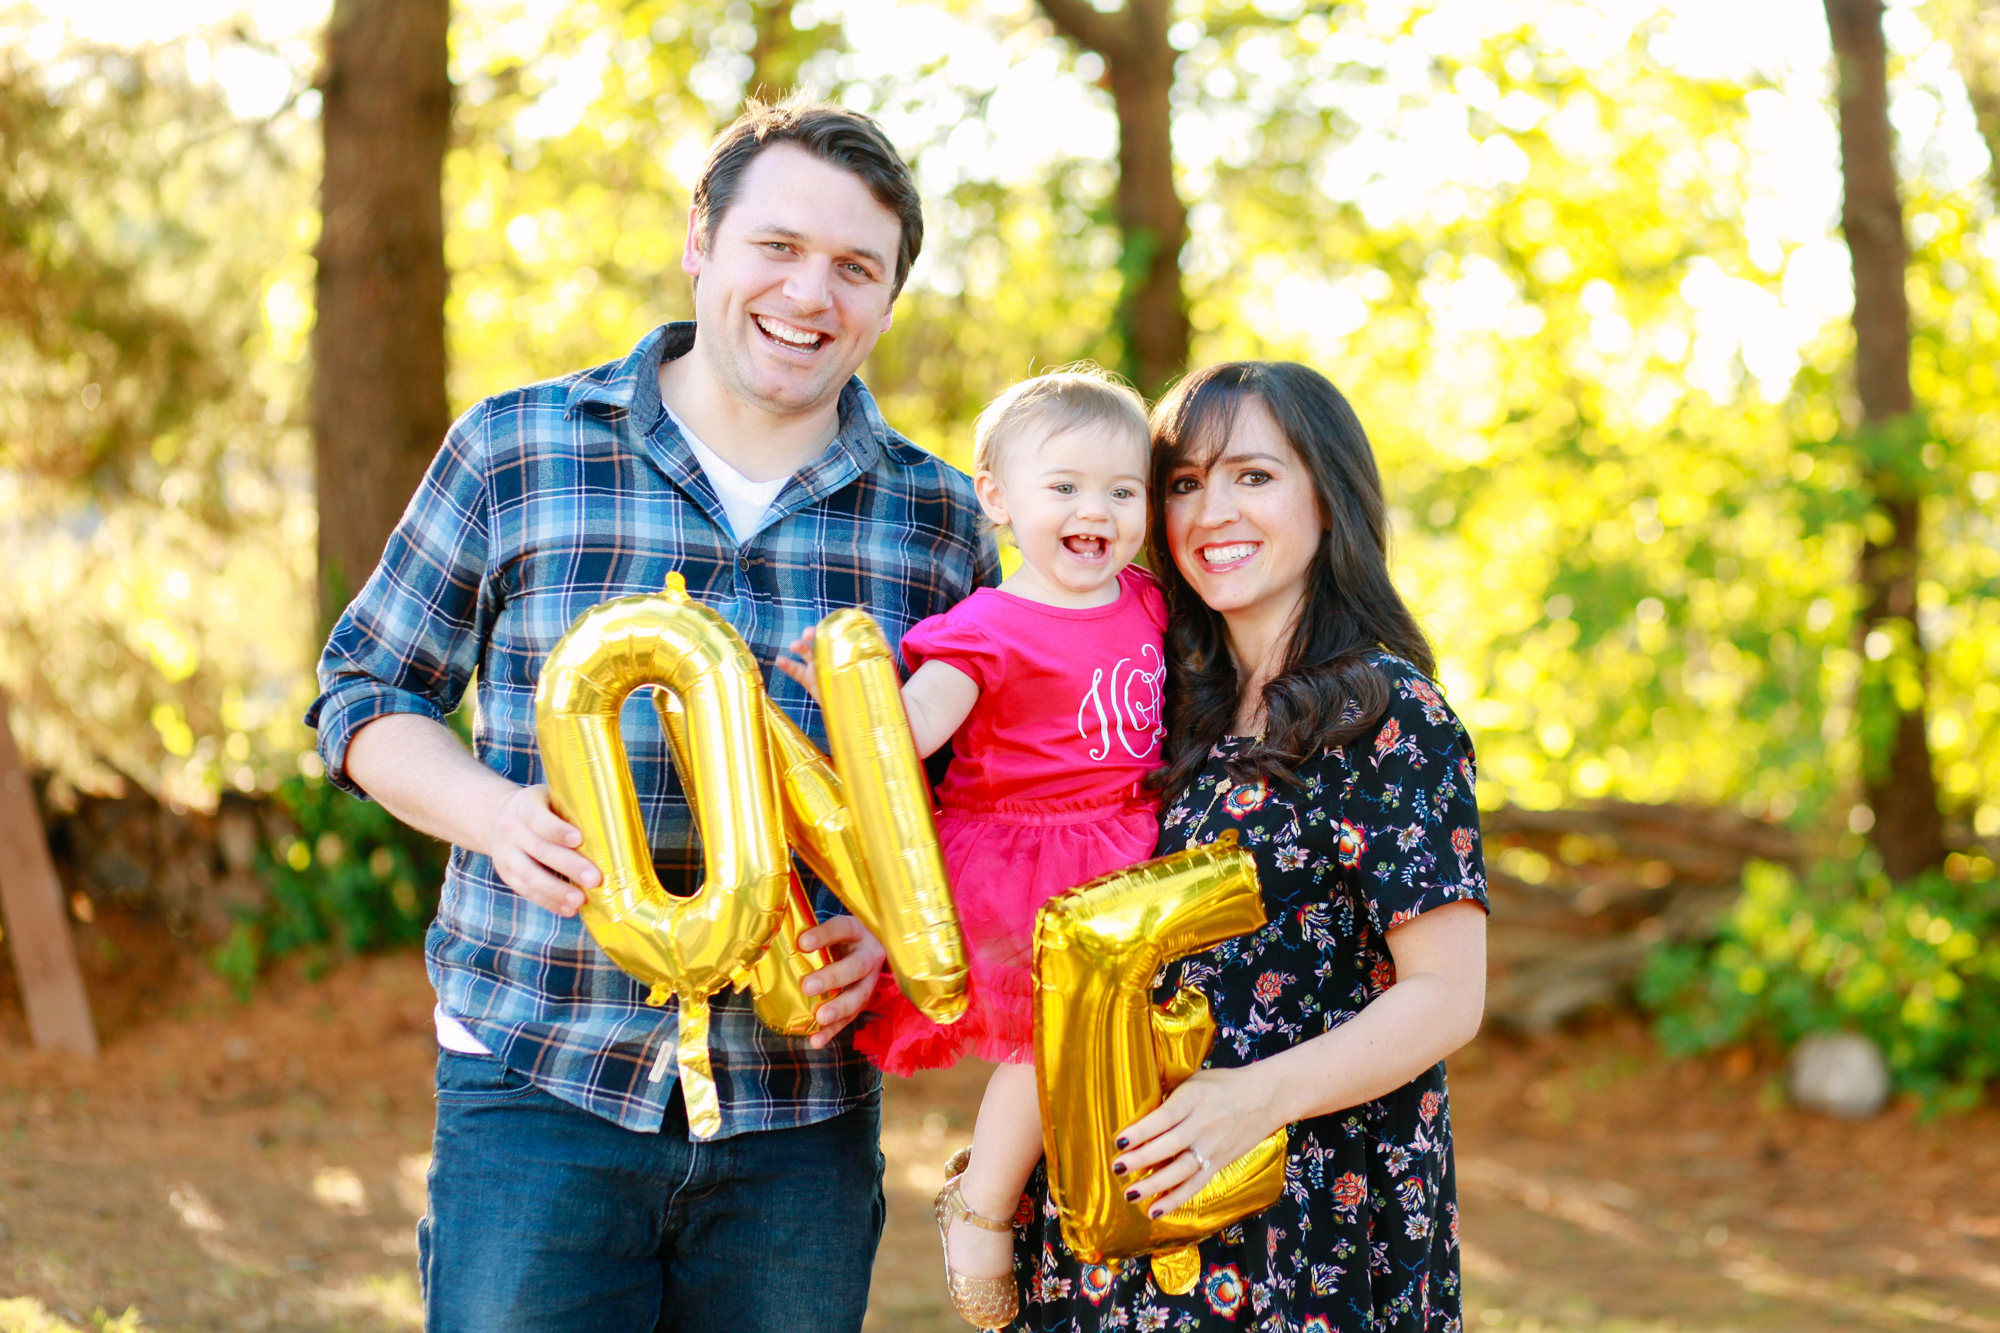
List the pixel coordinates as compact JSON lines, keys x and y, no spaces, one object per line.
{"x":1004,"y":864}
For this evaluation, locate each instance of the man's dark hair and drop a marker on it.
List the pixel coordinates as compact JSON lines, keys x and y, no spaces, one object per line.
{"x":846,"y":139}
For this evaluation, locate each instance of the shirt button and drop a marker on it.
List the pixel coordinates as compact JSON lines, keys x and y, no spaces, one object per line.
{"x":743,"y":560}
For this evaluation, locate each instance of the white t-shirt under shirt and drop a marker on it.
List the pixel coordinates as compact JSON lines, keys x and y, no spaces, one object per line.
{"x":744,"y":502}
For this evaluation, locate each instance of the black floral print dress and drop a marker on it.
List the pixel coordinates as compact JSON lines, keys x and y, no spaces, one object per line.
{"x":1365,"y":1237}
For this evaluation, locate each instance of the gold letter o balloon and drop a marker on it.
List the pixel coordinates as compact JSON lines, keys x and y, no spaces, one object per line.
{"x":689,"y":947}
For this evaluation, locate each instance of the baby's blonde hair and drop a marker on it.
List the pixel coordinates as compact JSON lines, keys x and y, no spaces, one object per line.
{"x":1077,"y":395}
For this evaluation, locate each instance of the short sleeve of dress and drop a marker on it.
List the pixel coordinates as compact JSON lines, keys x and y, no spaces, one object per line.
{"x":1410,"y":823}
{"x":960,"y":641}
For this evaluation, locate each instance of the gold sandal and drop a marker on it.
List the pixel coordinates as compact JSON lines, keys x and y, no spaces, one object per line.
{"x":984,"y":1302}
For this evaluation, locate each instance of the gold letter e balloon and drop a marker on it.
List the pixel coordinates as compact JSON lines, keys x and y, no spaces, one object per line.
{"x":758,"y":788}
{"x":1106,"y":1055}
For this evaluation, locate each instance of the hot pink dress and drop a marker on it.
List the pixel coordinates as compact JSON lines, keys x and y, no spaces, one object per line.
{"x":1042,"y":794}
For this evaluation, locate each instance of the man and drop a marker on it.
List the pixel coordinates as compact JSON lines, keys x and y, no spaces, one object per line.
{"x":740,"y":450}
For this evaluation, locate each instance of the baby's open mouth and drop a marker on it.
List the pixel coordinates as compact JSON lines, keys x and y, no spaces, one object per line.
{"x":785,"y":335}
{"x":1087,"y":548}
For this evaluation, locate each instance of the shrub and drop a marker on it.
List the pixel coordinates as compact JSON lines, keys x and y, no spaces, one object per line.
{"x":354,"y":879}
{"x":1916,"y":966}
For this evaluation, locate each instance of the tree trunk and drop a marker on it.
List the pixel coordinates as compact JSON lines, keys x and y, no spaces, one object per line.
{"x":1139,"y":66}
{"x":378,"y":400}
{"x":1896,"y":761}
{"x":1973,"y":29}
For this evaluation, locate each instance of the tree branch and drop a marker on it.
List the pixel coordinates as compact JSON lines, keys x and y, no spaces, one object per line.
{"x":1108,"y":35}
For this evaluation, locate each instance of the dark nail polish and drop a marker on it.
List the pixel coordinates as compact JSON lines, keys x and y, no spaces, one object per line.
{"x":1124,"y":1143}
{"x":1131,"y":1196}
{"x":1158,"y":1213}
{"x":1118,"y":1168}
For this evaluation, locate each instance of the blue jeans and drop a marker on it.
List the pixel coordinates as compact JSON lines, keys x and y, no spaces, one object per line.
{"x":545,"y":1217}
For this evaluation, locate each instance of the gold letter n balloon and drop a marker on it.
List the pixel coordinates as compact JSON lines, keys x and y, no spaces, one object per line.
{"x":756,"y":785}
{"x":1106,"y":1055}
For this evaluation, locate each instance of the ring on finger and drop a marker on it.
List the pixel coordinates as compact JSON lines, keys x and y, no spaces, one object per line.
{"x":1195,"y":1153}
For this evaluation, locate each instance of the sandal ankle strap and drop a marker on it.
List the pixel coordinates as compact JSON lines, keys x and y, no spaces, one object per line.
{"x":958,"y":1208}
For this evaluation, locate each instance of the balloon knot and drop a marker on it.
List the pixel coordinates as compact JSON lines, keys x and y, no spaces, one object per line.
{"x":661,"y":991}
{"x":677,"y":586}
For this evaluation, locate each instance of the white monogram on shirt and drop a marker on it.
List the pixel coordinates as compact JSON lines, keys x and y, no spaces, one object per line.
{"x":1122,"y":709}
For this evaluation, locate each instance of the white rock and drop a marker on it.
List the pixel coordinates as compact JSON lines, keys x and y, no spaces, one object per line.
{"x":1839,"y":1073}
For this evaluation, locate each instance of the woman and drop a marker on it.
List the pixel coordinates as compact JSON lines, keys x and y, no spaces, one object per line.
{"x":1302,"y":716}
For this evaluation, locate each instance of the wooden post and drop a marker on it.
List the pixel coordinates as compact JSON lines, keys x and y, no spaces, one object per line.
{"x":37,"y":926}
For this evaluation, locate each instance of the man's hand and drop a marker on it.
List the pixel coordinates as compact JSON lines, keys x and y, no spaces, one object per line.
{"x":533,"y":851}
{"x":857,"y":962}
{"x":422,"y":774}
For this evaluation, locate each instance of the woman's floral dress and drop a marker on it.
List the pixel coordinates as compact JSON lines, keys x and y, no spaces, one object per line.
{"x":1365,"y":1236}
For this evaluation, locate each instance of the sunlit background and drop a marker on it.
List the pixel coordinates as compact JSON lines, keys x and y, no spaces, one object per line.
{"x":1578,"y":263}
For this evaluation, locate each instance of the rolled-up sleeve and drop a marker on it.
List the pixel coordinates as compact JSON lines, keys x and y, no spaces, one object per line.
{"x":409,"y":642}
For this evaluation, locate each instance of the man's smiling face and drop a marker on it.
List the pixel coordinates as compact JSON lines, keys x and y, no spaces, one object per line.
{"x":795,"y":282}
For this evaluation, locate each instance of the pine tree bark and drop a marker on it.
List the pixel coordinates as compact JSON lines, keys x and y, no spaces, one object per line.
{"x":1139,"y":68}
{"x":379,"y":409}
{"x":1897,"y":777}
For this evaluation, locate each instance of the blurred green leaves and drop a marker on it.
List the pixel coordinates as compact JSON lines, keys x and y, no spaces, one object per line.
{"x":353,"y":879}
{"x":155,"y":521}
{"x":1915,"y":966}
{"x":1607,"y":389}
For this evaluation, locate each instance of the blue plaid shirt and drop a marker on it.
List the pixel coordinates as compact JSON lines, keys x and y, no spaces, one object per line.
{"x":543,"y":503}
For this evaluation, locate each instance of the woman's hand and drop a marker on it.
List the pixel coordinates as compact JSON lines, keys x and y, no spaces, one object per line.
{"x":1211,"y":1120}
{"x":1432,"y":1009}
{"x":1220,"y":1114}
{"x":797,"y":662}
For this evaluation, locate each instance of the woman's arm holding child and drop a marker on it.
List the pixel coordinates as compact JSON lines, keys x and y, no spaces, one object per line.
{"x":938,"y":696}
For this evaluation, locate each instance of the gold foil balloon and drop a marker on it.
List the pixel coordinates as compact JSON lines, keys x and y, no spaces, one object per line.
{"x":688,"y":947}
{"x":863,"y":823}
{"x":774,"y":980}
{"x":1106,"y":1055}
{"x":909,"y":908}
{"x":755,"y":784}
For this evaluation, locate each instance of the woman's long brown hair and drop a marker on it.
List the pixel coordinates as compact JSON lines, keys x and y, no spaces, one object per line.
{"x":1328,"y":692}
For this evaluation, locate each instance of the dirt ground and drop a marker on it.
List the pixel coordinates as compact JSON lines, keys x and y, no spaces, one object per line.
{"x":229,"y":1167}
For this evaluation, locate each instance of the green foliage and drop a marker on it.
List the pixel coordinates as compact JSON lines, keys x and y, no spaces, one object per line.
{"x":1607,"y":389}
{"x":155,"y":519}
{"x":1916,"y":966}
{"x":564,"y":229}
{"x":354,"y":879}
{"x":96,"y":366}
